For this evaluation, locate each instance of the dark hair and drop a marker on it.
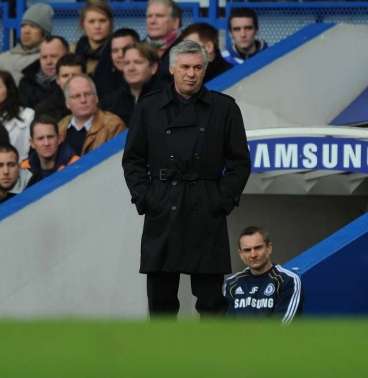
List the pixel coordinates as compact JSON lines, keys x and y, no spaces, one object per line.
{"x":177,"y":12}
{"x":62,"y":40}
{"x":99,"y":6}
{"x":7,"y":147}
{"x":206,"y":32}
{"x":146,"y":50}
{"x":71,"y":60}
{"x":251,"y":230}
{"x":125,"y":32}
{"x":243,"y":13}
{"x":10,"y":108}
{"x":4,"y":136}
{"x":43,"y":118}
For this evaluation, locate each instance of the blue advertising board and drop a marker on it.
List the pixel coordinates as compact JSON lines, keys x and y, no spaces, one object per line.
{"x":309,"y":153}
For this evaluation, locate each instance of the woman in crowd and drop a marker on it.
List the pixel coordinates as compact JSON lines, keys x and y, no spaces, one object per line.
{"x":139,"y":67}
{"x":15,"y":118}
{"x":108,"y":75}
{"x":96,"y":20}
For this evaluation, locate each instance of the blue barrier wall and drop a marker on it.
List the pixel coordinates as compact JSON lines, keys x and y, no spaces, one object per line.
{"x":334,"y":272}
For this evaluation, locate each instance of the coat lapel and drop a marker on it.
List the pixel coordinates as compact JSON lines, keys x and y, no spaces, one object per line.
{"x":97,"y":125}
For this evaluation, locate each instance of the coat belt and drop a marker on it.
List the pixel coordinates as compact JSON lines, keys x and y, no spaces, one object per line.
{"x":167,"y":174}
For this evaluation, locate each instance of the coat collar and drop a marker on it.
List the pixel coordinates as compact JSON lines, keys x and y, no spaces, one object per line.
{"x":168,"y":96}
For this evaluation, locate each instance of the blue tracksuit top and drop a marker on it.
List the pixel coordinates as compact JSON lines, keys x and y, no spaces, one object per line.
{"x":276,"y":292}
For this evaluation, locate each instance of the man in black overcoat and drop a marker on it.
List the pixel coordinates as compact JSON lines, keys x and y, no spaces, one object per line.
{"x":186,"y":163}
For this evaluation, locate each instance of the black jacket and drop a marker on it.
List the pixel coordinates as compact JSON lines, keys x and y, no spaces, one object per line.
{"x":4,"y":136}
{"x":90,"y":56}
{"x":65,"y":156}
{"x":32,"y":92}
{"x":218,"y":66}
{"x":122,"y":102}
{"x":106,"y":77}
{"x":54,"y":105}
{"x":186,"y":166}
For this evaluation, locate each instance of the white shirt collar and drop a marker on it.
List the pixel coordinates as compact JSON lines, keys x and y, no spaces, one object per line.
{"x":87,"y":125}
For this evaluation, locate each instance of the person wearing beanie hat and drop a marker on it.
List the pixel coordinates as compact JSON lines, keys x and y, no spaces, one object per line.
{"x":36,"y":25}
{"x":39,"y":15}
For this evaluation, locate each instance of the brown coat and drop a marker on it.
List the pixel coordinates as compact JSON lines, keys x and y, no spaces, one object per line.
{"x":105,"y":125}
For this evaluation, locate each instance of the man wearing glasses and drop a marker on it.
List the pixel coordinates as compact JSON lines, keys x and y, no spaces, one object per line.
{"x":88,"y":126}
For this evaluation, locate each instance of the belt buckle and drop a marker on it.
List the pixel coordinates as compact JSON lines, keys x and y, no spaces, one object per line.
{"x":163,"y":174}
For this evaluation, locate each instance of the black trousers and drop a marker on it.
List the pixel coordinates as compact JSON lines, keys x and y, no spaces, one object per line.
{"x":162,"y":293}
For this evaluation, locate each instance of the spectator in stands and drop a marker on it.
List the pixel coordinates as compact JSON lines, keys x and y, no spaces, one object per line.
{"x":39,"y":80}
{"x":243,"y":27}
{"x":87,"y":127}
{"x":163,"y":20}
{"x":207,"y":36}
{"x":54,"y":105}
{"x":36,"y":25}
{"x":108,"y":75}
{"x":96,"y":20}
{"x":262,"y":289}
{"x":4,"y":136}
{"x":49,"y":154}
{"x":9,"y":171}
{"x":139,"y":65}
{"x":15,"y":118}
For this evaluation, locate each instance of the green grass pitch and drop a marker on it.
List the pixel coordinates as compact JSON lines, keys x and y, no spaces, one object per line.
{"x":164,"y":348}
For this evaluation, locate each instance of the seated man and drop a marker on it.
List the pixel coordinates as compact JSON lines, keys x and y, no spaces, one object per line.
{"x":36,"y":25}
{"x":262,"y":289}
{"x":207,"y":36}
{"x":88,"y":126}
{"x":9,"y":170}
{"x":243,"y":28}
{"x":54,"y":105}
{"x":39,"y":80}
{"x":48,"y":154}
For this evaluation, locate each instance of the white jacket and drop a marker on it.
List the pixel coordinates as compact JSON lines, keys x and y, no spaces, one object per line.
{"x":18,"y":131}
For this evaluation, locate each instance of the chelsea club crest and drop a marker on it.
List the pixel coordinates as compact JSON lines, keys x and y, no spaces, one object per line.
{"x":270,"y":289}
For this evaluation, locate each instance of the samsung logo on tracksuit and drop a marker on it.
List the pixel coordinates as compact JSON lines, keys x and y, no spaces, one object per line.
{"x":253,"y":302}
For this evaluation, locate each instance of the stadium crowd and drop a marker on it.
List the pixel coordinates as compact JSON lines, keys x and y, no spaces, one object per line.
{"x":60,"y":100}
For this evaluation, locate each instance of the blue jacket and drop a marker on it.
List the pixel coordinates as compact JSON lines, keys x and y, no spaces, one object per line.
{"x":233,"y":56}
{"x":277,"y":292}
{"x":64,"y":157}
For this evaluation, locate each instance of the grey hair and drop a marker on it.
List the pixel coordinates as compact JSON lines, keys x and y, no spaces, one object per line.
{"x":188,"y":47}
{"x":83,"y":76}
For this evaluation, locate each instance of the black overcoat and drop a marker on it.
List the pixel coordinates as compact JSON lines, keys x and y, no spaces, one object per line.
{"x":186,"y":172}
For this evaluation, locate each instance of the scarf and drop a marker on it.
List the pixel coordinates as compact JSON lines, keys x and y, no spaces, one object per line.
{"x":83,"y":48}
{"x":163,"y":44}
